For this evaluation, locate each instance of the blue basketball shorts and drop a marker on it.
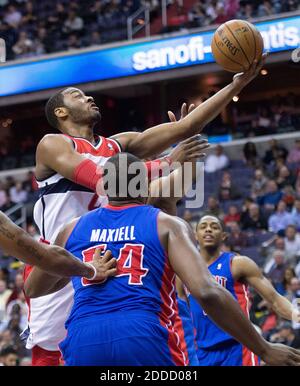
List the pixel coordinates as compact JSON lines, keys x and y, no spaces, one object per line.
{"x":126,"y":339}
{"x":229,"y":354}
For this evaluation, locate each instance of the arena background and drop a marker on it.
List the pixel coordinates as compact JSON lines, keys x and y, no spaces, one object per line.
{"x":139,"y":59}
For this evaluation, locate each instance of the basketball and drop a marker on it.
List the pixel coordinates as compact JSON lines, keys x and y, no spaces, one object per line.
{"x":236,"y":44}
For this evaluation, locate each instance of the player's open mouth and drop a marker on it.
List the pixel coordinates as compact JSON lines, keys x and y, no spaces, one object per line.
{"x":208,"y":238}
{"x":93,"y":106}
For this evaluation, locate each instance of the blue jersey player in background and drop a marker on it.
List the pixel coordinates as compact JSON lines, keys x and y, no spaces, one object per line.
{"x":130,"y":318}
{"x":215,"y":347}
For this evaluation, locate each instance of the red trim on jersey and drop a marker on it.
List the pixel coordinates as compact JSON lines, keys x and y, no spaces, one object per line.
{"x":168,"y":315}
{"x":249,"y":358}
{"x":44,"y":241}
{"x":83,"y":144}
{"x":27,"y":269}
{"x":243,"y":301}
{"x":115,"y":144}
{"x":178,"y":325}
{"x":26,"y":272}
{"x":42,"y":357}
{"x":113,"y":207}
{"x":241,"y":293}
{"x":106,"y":147}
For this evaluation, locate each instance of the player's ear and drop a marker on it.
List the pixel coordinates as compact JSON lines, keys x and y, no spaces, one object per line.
{"x":61,"y":112}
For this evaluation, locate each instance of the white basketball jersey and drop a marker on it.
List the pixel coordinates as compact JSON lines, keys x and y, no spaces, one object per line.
{"x":60,"y":201}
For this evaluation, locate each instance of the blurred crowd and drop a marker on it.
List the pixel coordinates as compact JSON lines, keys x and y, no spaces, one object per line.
{"x":34,"y":27}
{"x":277,"y":114}
{"x":13,"y":307}
{"x":14,"y":192}
{"x":37,"y":27}
{"x":13,"y":318}
{"x":17,"y":153}
{"x":208,"y":12}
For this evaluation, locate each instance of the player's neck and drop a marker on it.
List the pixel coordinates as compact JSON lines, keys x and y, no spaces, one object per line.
{"x":125,"y":203}
{"x":210,"y":254}
{"x":82,"y":131}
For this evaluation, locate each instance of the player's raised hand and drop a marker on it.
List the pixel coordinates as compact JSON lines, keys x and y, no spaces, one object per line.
{"x":190,"y":149}
{"x":281,"y":355}
{"x":106,"y":265}
{"x":184,"y":112}
{"x":241,"y":79}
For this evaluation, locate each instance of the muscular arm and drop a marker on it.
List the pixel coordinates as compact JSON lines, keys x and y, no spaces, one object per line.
{"x":16,"y":242}
{"x":165,"y":192}
{"x":157,"y":139}
{"x":56,"y":153}
{"x":215,"y":300}
{"x":177,"y":178}
{"x":246,"y":270}
{"x":41,"y":283}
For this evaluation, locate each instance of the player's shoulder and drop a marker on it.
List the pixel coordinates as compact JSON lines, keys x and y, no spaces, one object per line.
{"x":240,"y":259}
{"x":242,"y":266}
{"x":54,"y":139}
{"x":112,"y":143}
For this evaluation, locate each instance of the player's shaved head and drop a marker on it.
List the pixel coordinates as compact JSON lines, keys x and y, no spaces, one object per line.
{"x":125,"y":178}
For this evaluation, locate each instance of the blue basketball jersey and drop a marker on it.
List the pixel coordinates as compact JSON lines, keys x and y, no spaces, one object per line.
{"x":145,"y":281}
{"x":208,"y":334}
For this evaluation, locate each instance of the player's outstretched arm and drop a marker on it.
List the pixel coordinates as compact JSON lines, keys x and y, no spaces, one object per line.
{"x":218,"y":303}
{"x":41,"y":283}
{"x":158,"y":138}
{"x":190,"y":150}
{"x":166,"y":191}
{"x":247,"y":270}
{"x":55,"y":153}
{"x":53,"y":259}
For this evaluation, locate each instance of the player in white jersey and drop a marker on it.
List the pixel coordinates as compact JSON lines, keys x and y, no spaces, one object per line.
{"x":60,"y":201}
{"x":67,"y":169}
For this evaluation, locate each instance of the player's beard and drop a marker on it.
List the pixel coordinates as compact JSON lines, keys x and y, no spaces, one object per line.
{"x":90,"y":118}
